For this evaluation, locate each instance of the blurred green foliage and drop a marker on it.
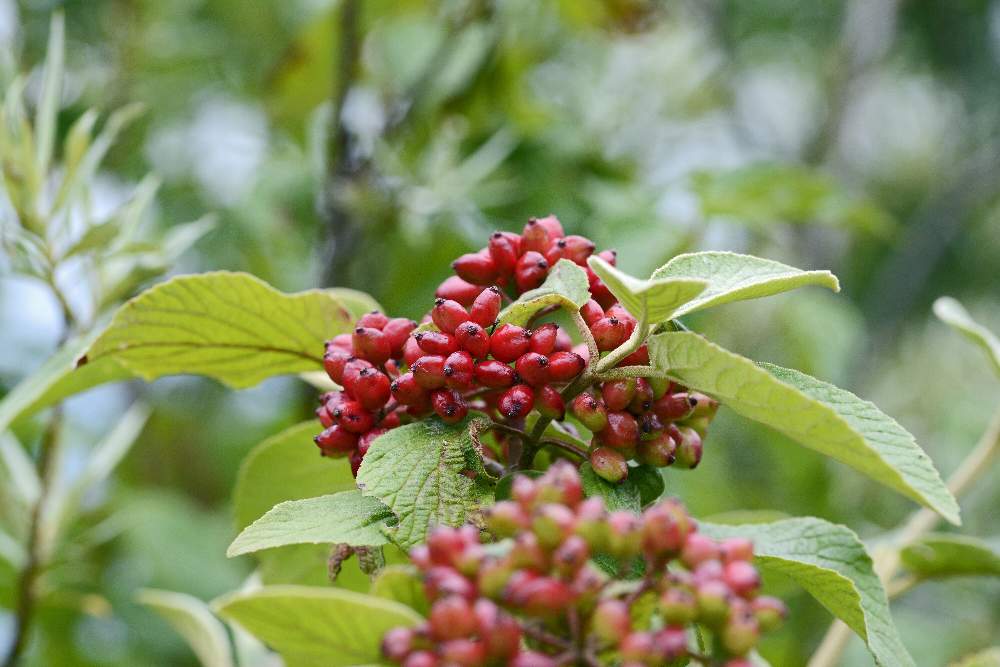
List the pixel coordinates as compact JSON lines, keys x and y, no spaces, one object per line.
{"x":858,"y":135}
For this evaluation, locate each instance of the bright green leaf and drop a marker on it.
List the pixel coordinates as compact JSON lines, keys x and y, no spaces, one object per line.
{"x":417,"y":471}
{"x":622,"y":496}
{"x":317,"y":627}
{"x":340,"y":518}
{"x":648,"y":480}
{"x":232,"y":327}
{"x":831,"y":564}
{"x":945,"y":555}
{"x":357,"y":303}
{"x":403,"y":584}
{"x":51,"y":96}
{"x":952,"y":312}
{"x":284,"y":467}
{"x":657,"y":298}
{"x":733,"y":277}
{"x":192,"y":619}
{"x":566,"y":286}
{"x":818,"y":415}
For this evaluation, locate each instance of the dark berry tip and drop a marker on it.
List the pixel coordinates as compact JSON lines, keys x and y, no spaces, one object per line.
{"x":614,"y":321}
{"x":543,"y":362}
{"x":359,"y":330}
{"x":496,"y":235}
{"x":438,"y":301}
{"x":692,"y":401}
{"x":561,"y":243}
{"x":494,"y":289}
{"x":375,"y":312}
{"x":542,"y":264}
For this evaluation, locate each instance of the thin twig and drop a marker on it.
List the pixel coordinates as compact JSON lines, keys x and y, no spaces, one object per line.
{"x":565,"y":446}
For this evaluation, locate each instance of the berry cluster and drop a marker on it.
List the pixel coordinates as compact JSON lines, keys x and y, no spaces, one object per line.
{"x":543,"y":602}
{"x":363,"y":363}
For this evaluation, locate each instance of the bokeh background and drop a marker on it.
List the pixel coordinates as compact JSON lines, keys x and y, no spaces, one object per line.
{"x":861,"y":136}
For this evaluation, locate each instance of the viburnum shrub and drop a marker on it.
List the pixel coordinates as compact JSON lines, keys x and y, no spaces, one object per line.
{"x":492,"y":486}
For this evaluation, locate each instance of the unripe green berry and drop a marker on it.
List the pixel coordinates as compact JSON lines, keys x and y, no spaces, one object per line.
{"x":611,"y":621}
{"x":609,"y":464}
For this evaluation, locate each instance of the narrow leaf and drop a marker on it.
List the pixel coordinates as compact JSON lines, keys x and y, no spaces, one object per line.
{"x":945,"y":555}
{"x":232,"y":327}
{"x":733,"y":277}
{"x":192,"y":619}
{"x":417,"y":471}
{"x":831,"y":564}
{"x":656,"y":298}
{"x":346,"y":517}
{"x":48,"y":105}
{"x":818,"y":415}
{"x":566,"y":287}
{"x":317,"y":627}
{"x":57,"y":379}
{"x":954,"y":314}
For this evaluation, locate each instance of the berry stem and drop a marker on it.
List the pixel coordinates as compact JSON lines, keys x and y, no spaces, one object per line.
{"x":544,"y":637}
{"x":887,"y":559}
{"x":565,"y":446}
{"x":587,"y":336}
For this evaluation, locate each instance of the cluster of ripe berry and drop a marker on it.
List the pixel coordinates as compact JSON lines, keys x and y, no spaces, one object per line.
{"x":391,"y":370}
{"x":543,"y":603}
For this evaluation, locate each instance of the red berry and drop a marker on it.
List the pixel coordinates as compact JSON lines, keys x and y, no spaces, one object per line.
{"x":458,"y":369}
{"x":440,"y":582}
{"x":574,"y":248}
{"x":353,"y":417}
{"x":462,"y":653}
{"x":658,"y":452}
{"x":740,"y":633}
{"x":609,"y":333}
{"x":477,"y":268}
{"x":609,"y":256}
{"x":550,"y":403}
{"x":609,"y":464}
{"x":713,"y":601}
{"x":437,"y":342}
{"x":448,"y":314}
{"x":371,"y":389}
{"x":324,"y":416}
{"x":611,"y":621}
{"x":411,"y":351}
{"x":397,"y":644}
{"x":334,"y":361}
{"x":500,"y":633}
{"x":390,"y":421}
{"x":509,"y":342}
{"x":670,"y":644}
{"x":570,"y":555}
{"x":697,"y":549}
{"x":458,"y":290}
{"x":541,"y":596}
{"x":429,"y":371}
{"x":340,"y":342}
{"x":408,"y":391}
{"x":617,"y":394}
{"x":372,"y":345}
{"x":689,"y":448}
{"x":673,"y":407}
{"x":638,"y":358}
{"x":449,"y":405}
{"x":516,"y":401}
{"x":564,"y":366}
{"x":643,"y":399}
{"x":735,"y":549}
{"x":452,"y":618}
{"x":638,"y":647}
{"x":591,"y":312}
{"x":473,"y":338}
{"x":494,"y":374}
{"x":770,"y":612}
{"x":622,"y":431}
{"x":535,"y":237}
{"x":352,"y":369}
{"x":504,"y":248}
{"x":421,"y":659}
{"x":336,"y":441}
{"x":533,"y":368}
{"x":543,"y":339}
{"x":486,"y":307}
{"x":531,"y":271}
{"x":374,"y":319}
{"x":552,"y":226}
{"x":665,"y":527}
{"x":741,"y":577}
{"x":590,"y":412}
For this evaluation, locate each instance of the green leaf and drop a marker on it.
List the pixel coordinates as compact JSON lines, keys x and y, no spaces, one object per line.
{"x":831,"y":564}
{"x":402,"y":583}
{"x":286,"y":466}
{"x":340,"y":518}
{"x":945,"y":555}
{"x":51,"y":96}
{"x":357,"y":303}
{"x":192,"y":619}
{"x":988,"y":658}
{"x":232,"y":327}
{"x":818,"y":415}
{"x":952,"y":313}
{"x":658,"y":299}
{"x":57,"y":379}
{"x":733,"y":277}
{"x":566,"y":286}
{"x":317,"y":627}
{"x":622,"y":496}
{"x":417,"y":471}
{"x":648,"y":480}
